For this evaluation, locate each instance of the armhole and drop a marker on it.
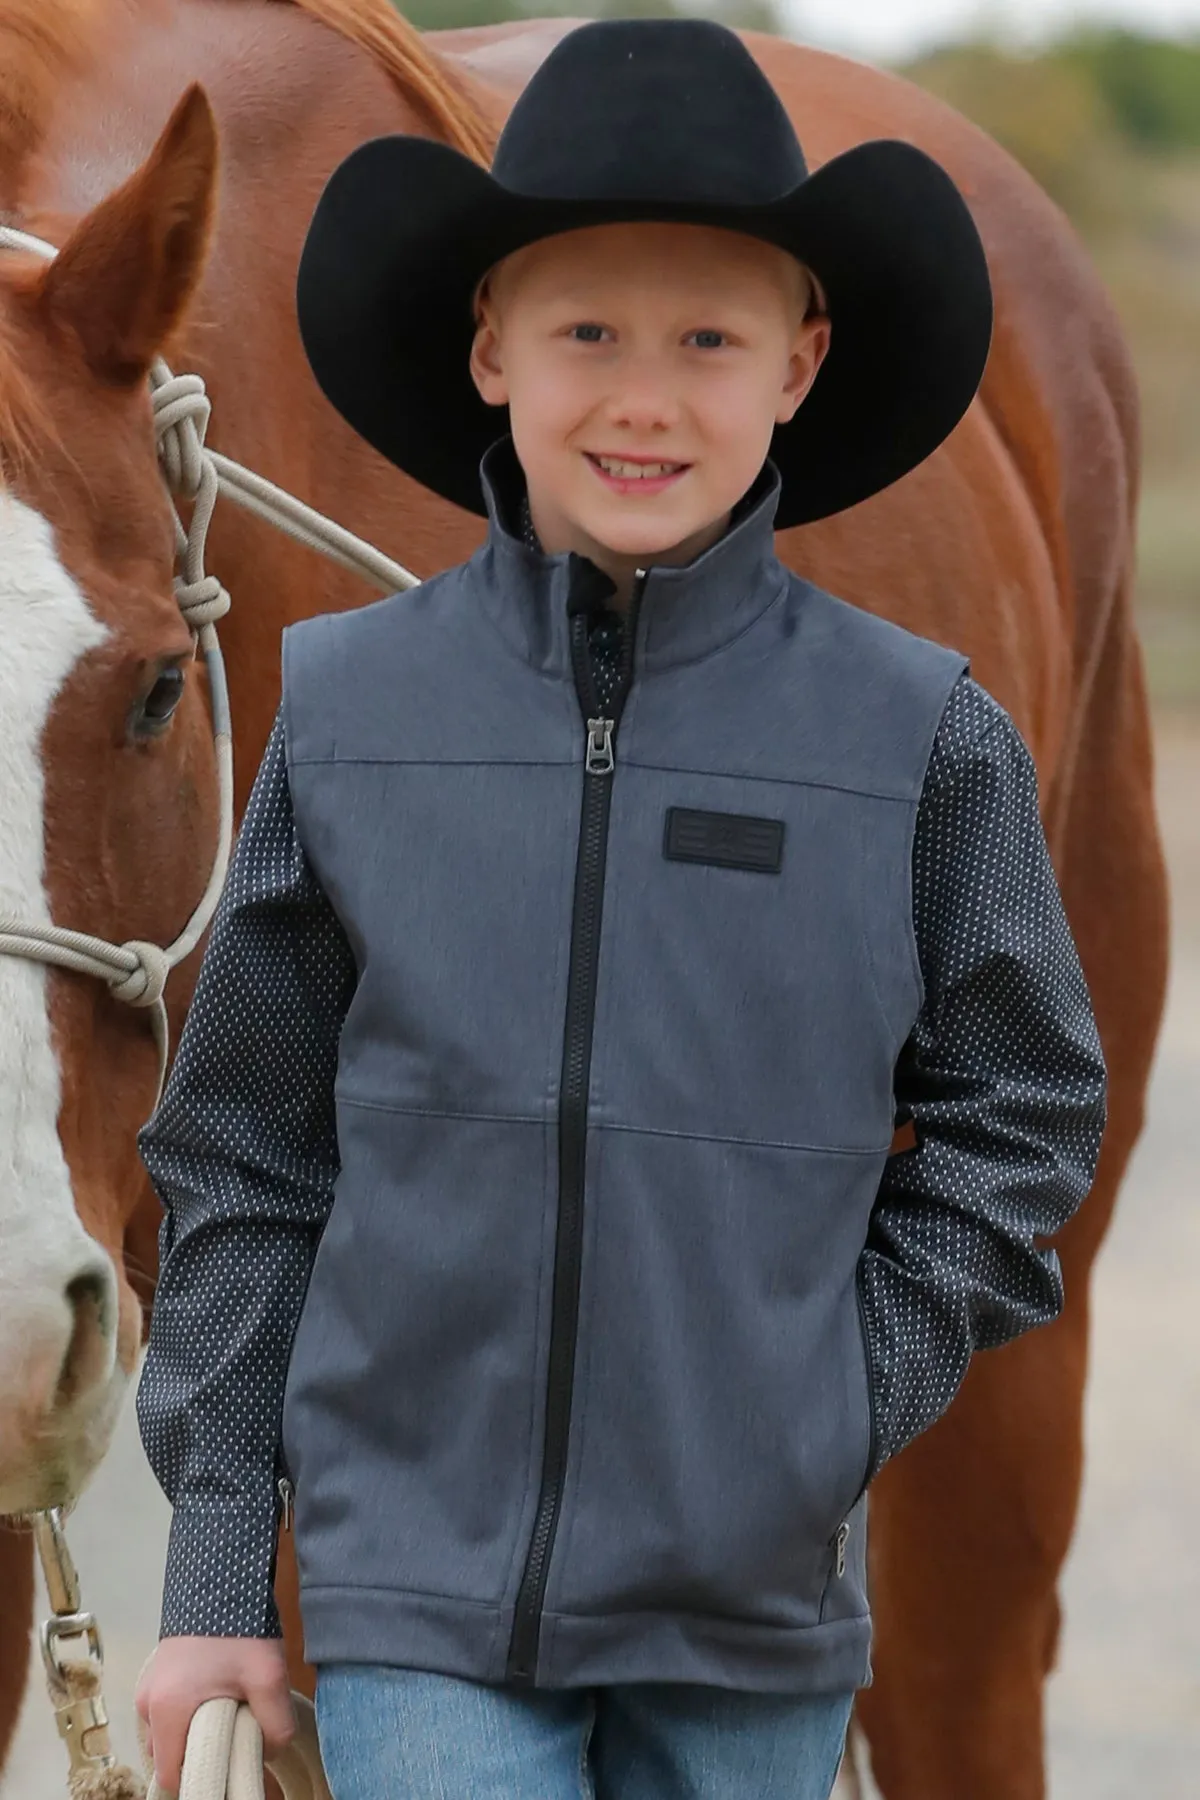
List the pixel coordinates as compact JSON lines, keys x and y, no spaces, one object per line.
{"x":287,"y":668}
{"x":914,"y":950}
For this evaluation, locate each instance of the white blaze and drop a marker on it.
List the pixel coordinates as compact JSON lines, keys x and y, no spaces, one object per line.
{"x":46,"y":625}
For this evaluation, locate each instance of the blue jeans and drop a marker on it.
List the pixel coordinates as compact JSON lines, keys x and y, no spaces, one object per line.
{"x":402,"y":1734}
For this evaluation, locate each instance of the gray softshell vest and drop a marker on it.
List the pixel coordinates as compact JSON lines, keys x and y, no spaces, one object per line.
{"x":580,"y":1392}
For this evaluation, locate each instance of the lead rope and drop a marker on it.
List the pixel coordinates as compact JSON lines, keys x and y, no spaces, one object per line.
{"x":224,"y":1758}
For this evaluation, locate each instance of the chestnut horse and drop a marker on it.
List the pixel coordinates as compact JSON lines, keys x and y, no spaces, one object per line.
{"x":1013,"y":543}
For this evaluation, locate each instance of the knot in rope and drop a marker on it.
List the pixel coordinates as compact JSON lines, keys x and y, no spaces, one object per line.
{"x":144,"y":983}
{"x":202,"y":602}
{"x":181,"y":413}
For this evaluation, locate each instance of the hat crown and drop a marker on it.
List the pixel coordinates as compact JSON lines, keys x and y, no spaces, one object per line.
{"x":650,"y":110}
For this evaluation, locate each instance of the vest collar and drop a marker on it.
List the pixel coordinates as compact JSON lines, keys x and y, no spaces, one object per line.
{"x":685,"y":611}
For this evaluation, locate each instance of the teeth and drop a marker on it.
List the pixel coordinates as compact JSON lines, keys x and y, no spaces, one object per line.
{"x":636,"y":471}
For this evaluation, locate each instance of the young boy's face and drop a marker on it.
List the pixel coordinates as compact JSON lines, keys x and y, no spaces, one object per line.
{"x":645,"y":367}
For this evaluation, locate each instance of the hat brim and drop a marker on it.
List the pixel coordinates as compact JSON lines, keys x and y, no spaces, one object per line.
{"x":406,"y":227}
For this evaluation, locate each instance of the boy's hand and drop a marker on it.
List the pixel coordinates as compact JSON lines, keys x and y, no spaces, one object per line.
{"x":185,"y":1671}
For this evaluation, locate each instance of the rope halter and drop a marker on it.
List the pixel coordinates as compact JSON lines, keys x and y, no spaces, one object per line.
{"x":136,"y":972}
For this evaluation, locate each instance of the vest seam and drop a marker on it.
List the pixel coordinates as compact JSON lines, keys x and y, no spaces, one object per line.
{"x":559,"y":1613}
{"x":837,"y":787}
{"x":701,"y":1618}
{"x":629,"y":762}
{"x":439,"y":1112}
{"x":703,"y":1137}
{"x":373,"y":1587}
{"x":439,"y":762}
{"x":751,"y":1143}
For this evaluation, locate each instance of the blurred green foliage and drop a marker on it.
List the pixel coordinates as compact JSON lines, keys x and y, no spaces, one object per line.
{"x":1059,"y":109}
{"x":1049,"y":112}
{"x":437,"y":15}
{"x":1150,"y":85}
{"x":1109,"y":124}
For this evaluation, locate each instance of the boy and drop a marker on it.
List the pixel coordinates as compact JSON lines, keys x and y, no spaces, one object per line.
{"x":594,"y":907}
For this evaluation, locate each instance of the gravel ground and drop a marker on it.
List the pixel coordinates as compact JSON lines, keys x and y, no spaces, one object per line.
{"x":1124,"y":1714}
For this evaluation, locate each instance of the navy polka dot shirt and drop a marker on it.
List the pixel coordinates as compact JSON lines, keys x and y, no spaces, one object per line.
{"x":1005,"y":1041}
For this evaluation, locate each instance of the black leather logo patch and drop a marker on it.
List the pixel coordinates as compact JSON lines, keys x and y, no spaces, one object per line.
{"x":735,"y":840}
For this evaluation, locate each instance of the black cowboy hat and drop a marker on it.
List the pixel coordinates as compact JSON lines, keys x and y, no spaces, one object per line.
{"x":653,"y":120}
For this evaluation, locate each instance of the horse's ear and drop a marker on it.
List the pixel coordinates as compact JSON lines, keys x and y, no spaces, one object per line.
{"x":122,"y":281}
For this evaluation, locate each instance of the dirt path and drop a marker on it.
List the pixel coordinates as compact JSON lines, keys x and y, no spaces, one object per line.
{"x":1125,"y":1704}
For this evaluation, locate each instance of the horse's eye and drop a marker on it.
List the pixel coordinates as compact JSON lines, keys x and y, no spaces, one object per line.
{"x":155,"y":711}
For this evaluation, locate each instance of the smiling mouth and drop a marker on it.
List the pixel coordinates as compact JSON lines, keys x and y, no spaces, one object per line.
{"x":624,"y":468}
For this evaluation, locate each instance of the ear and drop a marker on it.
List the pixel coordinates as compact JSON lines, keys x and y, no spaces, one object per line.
{"x":486,"y":364}
{"x":804,"y":364}
{"x":123,"y":280}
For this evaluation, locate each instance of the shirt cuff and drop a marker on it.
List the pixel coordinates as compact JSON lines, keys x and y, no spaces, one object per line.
{"x":220,"y":1572}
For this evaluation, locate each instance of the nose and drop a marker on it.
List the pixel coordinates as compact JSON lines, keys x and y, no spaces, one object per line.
{"x":644,"y":400}
{"x":58,"y":1335}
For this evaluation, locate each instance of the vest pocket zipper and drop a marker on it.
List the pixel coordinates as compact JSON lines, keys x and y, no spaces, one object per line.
{"x":868,"y":1376}
{"x":835,"y":1566}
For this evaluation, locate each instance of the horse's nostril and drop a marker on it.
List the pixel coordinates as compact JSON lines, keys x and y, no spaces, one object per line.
{"x":91,"y":1286}
{"x":89,"y":1295}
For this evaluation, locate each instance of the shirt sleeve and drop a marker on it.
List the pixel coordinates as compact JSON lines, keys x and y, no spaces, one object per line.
{"x":1003,"y":1078}
{"x":242,"y":1151}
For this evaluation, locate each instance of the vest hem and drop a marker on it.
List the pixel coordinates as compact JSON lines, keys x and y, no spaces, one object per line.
{"x":469,"y":1639}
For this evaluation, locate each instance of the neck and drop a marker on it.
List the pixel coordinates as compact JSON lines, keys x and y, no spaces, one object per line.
{"x":685,"y":609}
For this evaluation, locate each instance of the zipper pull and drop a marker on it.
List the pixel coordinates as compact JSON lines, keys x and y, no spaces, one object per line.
{"x":599,"y":747}
{"x":843,"y":1538}
{"x":286,"y":1491}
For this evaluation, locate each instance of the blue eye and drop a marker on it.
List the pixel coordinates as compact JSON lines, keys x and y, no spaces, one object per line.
{"x":709,"y":340}
{"x":587,"y":334}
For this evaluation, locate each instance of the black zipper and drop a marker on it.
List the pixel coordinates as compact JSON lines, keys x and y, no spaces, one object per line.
{"x":839,"y":1543}
{"x":872,"y":1415}
{"x":572,"y":1124}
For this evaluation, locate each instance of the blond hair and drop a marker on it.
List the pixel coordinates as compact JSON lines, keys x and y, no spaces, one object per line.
{"x":811,"y":292}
